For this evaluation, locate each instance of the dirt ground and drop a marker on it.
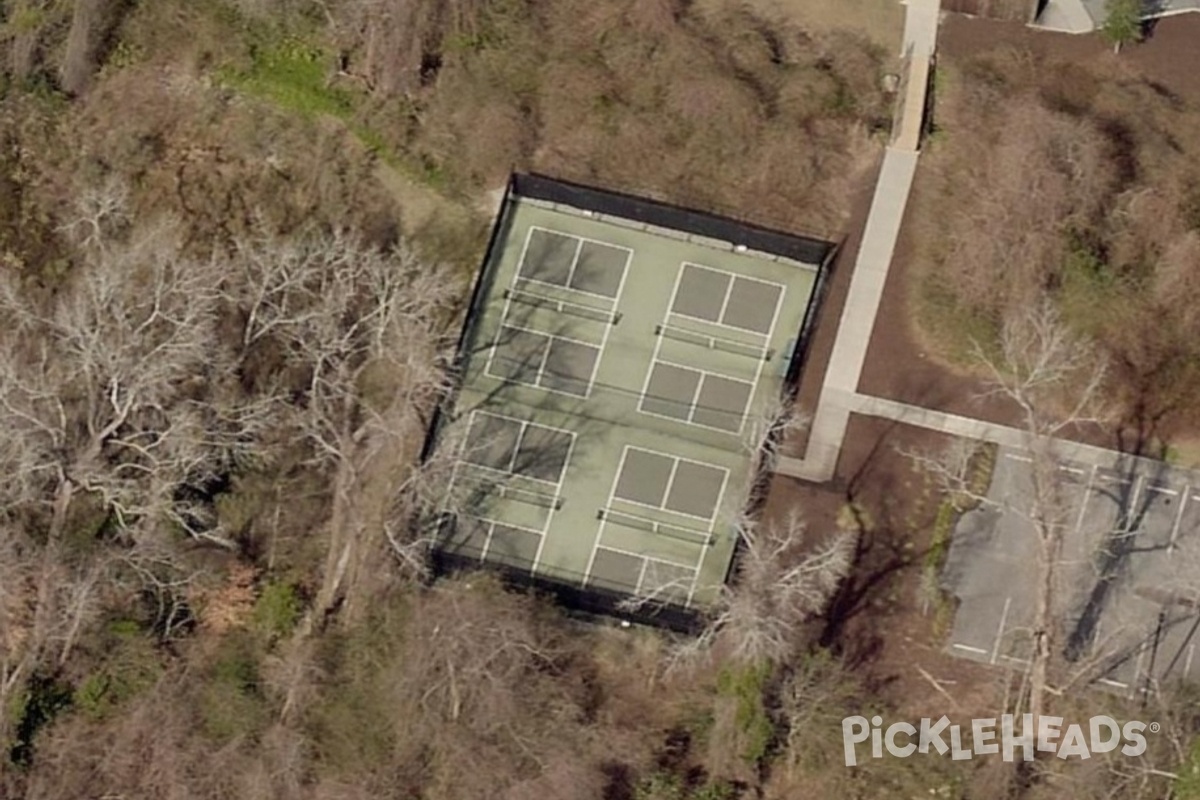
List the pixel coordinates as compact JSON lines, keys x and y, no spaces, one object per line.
{"x":881,"y":21}
{"x":1169,"y":56}
{"x":877,"y":624}
{"x":829,"y":314}
{"x":898,"y":366}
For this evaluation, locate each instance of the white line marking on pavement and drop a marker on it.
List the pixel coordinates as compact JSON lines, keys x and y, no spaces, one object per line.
{"x":1000,"y":630}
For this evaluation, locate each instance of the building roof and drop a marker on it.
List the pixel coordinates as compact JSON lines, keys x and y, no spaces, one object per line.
{"x":1085,"y":16}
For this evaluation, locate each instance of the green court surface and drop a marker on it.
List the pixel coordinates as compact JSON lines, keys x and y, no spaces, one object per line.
{"x":609,"y":373}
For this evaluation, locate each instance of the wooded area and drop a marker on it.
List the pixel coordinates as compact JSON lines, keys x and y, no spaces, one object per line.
{"x":1071,"y":182}
{"x":236,"y":242}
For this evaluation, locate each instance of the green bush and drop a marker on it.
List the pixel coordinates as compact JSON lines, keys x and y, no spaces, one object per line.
{"x":669,"y":786}
{"x":1187,"y":781}
{"x":292,"y":74}
{"x":748,"y":685}
{"x":277,"y":610}
{"x":661,"y":786}
{"x":952,"y":323}
{"x":230,"y":701}
{"x":43,"y":699}
{"x":131,"y":665}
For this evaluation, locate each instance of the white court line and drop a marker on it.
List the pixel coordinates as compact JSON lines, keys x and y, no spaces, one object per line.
{"x":704,"y":547}
{"x":1117,"y":480}
{"x":524,"y":296}
{"x":691,"y":583}
{"x":637,"y":587}
{"x":754,"y":387}
{"x":579,"y":240}
{"x":658,"y":344}
{"x":670,"y":481}
{"x":587,"y":575}
{"x":970,"y":649}
{"x":550,"y":337}
{"x":733,"y":277}
{"x":1000,"y":629}
{"x":562,"y":477}
{"x":584,"y":342}
{"x":608,"y":328}
{"x":694,"y":403}
{"x":645,"y":557}
{"x":520,"y":439}
{"x":487,"y":367}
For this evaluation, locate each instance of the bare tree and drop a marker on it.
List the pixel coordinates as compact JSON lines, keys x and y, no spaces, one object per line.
{"x":1007,"y":238}
{"x":769,"y":426}
{"x":393,"y":42}
{"x":79,"y":56}
{"x":26,"y":22}
{"x":366,"y":331}
{"x":780,"y":585}
{"x":95,"y":403}
{"x":1055,"y":379}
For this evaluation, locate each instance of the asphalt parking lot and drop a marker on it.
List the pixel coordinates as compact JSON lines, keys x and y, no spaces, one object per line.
{"x":1128,"y":579}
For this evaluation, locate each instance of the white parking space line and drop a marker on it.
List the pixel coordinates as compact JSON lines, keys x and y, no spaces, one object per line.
{"x":1137,"y":669}
{"x":1083,"y":505}
{"x":1015,"y":660}
{"x":1178,"y":520}
{"x":1000,"y":630}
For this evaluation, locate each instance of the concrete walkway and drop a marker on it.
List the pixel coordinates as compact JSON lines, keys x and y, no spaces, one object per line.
{"x":839,"y":396}
{"x":982,"y":431}
{"x":838,"y":393}
{"x":920,"y":25}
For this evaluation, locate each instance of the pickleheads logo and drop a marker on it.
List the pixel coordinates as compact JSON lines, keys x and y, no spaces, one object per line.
{"x":901,"y":739}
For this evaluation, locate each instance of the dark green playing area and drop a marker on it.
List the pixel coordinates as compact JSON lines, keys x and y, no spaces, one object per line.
{"x":612,"y":371}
